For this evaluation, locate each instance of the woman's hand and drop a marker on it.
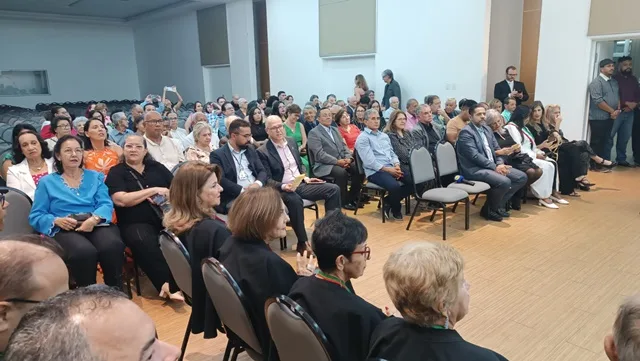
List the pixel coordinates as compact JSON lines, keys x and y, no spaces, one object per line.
{"x":541,"y":156}
{"x":88,"y":225}
{"x":306,"y":267}
{"x":162,"y":191}
{"x":65,"y":223}
{"x":544,"y":145}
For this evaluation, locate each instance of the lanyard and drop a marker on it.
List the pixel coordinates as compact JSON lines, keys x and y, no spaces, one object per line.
{"x":332,"y":279}
{"x":238,"y":160}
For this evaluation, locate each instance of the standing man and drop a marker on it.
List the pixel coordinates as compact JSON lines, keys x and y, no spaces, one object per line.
{"x":629,"y":97}
{"x":392,"y":89}
{"x":603,"y":110}
{"x":511,"y":88}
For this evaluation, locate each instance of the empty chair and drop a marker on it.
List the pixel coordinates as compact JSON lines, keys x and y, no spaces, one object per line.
{"x":294,"y":331}
{"x":448,"y":164}
{"x":16,"y":221}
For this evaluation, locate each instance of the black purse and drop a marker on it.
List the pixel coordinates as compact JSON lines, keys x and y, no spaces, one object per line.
{"x":156,"y":208}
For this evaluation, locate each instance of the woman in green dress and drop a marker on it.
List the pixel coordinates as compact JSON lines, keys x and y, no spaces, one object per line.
{"x":295,"y":130}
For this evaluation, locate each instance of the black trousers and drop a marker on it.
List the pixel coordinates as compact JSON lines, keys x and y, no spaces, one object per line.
{"x":600,"y":134}
{"x":142,"y":239}
{"x":342,"y":176}
{"x":83,"y":251}
{"x":635,"y":137}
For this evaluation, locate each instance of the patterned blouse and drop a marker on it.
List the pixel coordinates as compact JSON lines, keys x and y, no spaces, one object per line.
{"x":195,"y":153}
{"x":402,"y":146}
{"x":100,"y":160}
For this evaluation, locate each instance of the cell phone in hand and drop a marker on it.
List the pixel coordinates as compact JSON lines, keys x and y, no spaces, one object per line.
{"x":159,"y":199}
{"x":170,"y":89}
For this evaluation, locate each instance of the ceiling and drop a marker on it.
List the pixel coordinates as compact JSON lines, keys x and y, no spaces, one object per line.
{"x":108,"y":9}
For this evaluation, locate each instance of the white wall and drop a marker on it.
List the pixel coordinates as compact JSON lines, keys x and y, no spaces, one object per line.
{"x":564,"y":62}
{"x":168,"y":53}
{"x":217,"y":82}
{"x":83,"y":61}
{"x":444,"y":55}
{"x":242,"y":48}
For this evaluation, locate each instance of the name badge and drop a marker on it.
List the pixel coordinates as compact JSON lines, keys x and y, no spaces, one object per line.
{"x":242,"y":175}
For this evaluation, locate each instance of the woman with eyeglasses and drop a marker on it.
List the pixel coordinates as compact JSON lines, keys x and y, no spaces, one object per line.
{"x":61,"y":126}
{"x":340,"y":245}
{"x":100,"y":154}
{"x":46,"y":131}
{"x":34,"y":161}
{"x":73,"y":206}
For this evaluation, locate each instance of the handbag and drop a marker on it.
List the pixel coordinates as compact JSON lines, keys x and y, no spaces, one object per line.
{"x":157,"y":209}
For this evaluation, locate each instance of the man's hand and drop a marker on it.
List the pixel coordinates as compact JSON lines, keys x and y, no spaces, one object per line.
{"x":519,"y":95}
{"x":632,"y":105}
{"x":442,"y":113}
{"x":314,"y":180}
{"x":287,"y":188}
{"x":342,"y":163}
{"x":513,"y":94}
{"x":395,"y":172}
{"x":502,"y":169}
{"x":615,"y":114}
{"x":253,"y":185}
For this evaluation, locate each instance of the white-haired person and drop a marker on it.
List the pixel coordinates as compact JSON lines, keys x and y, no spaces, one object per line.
{"x":623,"y":344}
{"x":426,"y":284}
{"x":202,"y":147}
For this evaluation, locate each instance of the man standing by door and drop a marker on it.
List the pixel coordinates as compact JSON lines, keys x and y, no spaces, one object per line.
{"x":629,"y":97}
{"x":603,"y":109}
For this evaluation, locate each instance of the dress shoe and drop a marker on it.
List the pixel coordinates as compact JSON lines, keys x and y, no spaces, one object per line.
{"x":396,"y":215}
{"x":626,"y":164}
{"x":516,"y":205}
{"x":350,"y":206}
{"x":559,"y":200}
{"x":503,"y":213}
{"x":387,"y":213}
{"x":548,"y":205}
{"x":493,"y":216}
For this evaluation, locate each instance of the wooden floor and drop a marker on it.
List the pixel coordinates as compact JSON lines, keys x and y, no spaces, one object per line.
{"x":545,"y":284}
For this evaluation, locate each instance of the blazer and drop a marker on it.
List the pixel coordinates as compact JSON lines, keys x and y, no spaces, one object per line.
{"x":19,"y":177}
{"x":502,"y":90}
{"x":324,"y":151}
{"x":471,"y":152}
{"x":229,"y":182}
{"x":273,"y":163}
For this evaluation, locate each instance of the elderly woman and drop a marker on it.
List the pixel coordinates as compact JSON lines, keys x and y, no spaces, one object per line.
{"x":100,"y":154}
{"x":78,"y":125}
{"x":73,"y":206}
{"x":34,"y":161}
{"x":190,"y":140}
{"x":137,"y":187}
{"x":426,"y":284}
{"x":202,"y":147}
{"x":61,"y":126}
{"x":349,"y":131}
{"x":309,"y":113}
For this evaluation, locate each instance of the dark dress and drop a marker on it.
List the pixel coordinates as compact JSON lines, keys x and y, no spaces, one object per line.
{"x":403,"y":146}
{"x":519,"y":161}
{"x":261,"y":274}
{"x":258,"y":132}
{"x":398,"y":340}
{"x":204,"y":240}
{"x":346,"y":319}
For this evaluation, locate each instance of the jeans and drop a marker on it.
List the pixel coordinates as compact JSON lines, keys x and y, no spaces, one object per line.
{"x":622,"y":127}
{"x":396,"y":190}
{"x":502,"y":187}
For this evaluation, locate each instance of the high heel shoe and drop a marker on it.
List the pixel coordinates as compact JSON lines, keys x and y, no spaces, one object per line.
{"x":166,"y":294}
{"x":559,"y":200}
{"x":548,"y":205}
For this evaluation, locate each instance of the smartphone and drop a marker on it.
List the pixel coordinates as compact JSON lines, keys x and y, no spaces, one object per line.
{"x":159,"y":199}
{"x":169,"y":89}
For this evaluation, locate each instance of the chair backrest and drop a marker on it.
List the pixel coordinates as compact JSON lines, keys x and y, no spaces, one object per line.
{"x":421,"y":166}
{"x":230,"y":302}
{"x":446,"y":159}
{"x":177,"y":258}
{"x":312,"y":160}
{"x":177,"y":167}
{"x":294,"y":332}
{"x":16,"y":219}
{"x":358,"y":162}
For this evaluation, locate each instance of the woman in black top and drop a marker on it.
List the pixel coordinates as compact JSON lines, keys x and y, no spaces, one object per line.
{"x":134,"y":183}
{"x":402,"y":142}
{"x":426,"y":284}
{"x":258,"y":131}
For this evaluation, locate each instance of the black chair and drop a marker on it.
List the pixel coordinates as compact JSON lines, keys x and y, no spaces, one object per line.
{"x":16,"y":221}
{"x":177,"y":167}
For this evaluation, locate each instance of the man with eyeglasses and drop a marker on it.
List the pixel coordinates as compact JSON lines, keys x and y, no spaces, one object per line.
{"x":31,"y":270}
{"x":281,"y":160}
{"x":510,"y":87}
{"x":241,"y":165}
{"x":162,"y":148}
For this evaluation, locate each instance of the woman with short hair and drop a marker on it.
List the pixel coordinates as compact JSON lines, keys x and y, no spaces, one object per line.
{"x":61,"y":126}
{"x":78,"y":125}
{"x":426,"y":284}
{"x":294,"y":129}
{"x":34,"y":161}
{"x":202,"y":148}
{"x":349,"y":131}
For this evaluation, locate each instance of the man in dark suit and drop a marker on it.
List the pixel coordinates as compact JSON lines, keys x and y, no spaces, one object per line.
{"x":241,"y":165}
{"x":511,"y":88}
{"x":281,"y":160}
{"x":352,"y":103}
{"x":331,"y":158}
{"x":476,"y":148}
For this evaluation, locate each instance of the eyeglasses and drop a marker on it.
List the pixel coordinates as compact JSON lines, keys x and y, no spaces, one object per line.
{"x":21,"y":300}
{"x":366,"y":253}
{"x":64,"y":126}
{"x":277,"y":127}
{"x":156,"y":122}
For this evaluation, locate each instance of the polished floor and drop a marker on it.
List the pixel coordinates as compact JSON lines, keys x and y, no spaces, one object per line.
{"x":545,"y":284}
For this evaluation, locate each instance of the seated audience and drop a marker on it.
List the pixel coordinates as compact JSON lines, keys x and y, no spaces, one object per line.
{"x":282,"y":163}
{"x":496,"y":104}
{"x":358,"y":119}
{"x":294,"y":129}
{"x":440,"y":117}
{"x":73,"y":206}
{"x":46,"y":131}
{"x":333,"y":159}
{"x":202,"y":148}
{"x":120,"y":129}
{"x":258,"y":129}
{"x":352,"y":101}
{"x":31,"y":270}
{"x":102,"y":108}
{"x":461,"y":120}
{"x":402,"y":143}
{"x":133,"y":186}
{"x":100,"y":154}
{"x":381,"y":164}
{"x":195,"y":191}
{"x":623,"y":344}
{"x":139,"y":125}
{"x":509,"y":106}
{"x":279,"y":108}
{"x":477,"y":160}
{"x":135,"y":112}
{"x":240,"y":163}
{"x":394,"y":104}
{"x":78,"y":125}
{"x":340,"y":245}
{"x":450,"y":108}
{"x":191,"y":138}
{"x":175,"y":132}
{"x":257,"y":217}
{"x":34,"y":161}
{"x":412,"y":114}
{"x":425,"y":133}
{"x":309,"y":112}
{"x":8,"y":160}
{"x":92,"y":323}
{"x":426,"y":284}
{"x":161,"y":148}
{"x":349,"y":131}
{"x":61,"y":126}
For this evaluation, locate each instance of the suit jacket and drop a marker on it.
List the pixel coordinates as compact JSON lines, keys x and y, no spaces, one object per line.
{"x":351,"y":111}
{"x":229,"y":182}
{"x":19,"y":177}
{"x":501,"y":91}
{"x":428,"y":139}
{"x":471,"y":152}
{"x":273,"y":163}
{"x":324,"y":151}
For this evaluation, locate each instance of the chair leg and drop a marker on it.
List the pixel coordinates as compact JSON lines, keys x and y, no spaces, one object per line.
{"x":413,"y":214}
{"x":466,"y":214}
{"x":317,"y":211}
{"x":185,"y":340}
{"x":407,"y":205}
{"x":444,"y":222}
{"x":454,"y":208}
{"x":137,"y":277}
{"x":227,"y":350}
{"x":128,"y":283}
{"x":382,"y":206}
{"x":358,"y":202}
{"x":476,"y":198}
{"x":433,"y":215}
{"x":236,"y":352}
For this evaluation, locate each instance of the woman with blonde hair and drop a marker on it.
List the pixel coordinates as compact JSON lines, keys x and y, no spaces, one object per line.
{"x":194,"y":193}
{"x":202,"y":147}
{"x":426,"y":284}
{"x":496,"y":104}
{"x":361,"y":86}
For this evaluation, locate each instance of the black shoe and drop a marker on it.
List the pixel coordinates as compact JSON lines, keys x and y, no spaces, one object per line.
{"x":397,"y":215}
{"x":484,"y":210}
{"x":503,"y":213}
{"x":626,"y":164}
{"x":350,"y":206}
{"x":387,"y":213}
{"x":493,"y":216}
{"x":516,"y":205}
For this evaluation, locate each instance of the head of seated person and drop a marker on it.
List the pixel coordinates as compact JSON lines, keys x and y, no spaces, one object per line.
{"x":372,"y":119}
{"x":397,"y":121}
{"x":30,"y":146}
{"x":623,"y":344}
{"x":91,"y":323}
{"x":520,"y":116}
{"x":61,"y":125}
{"x":258,"y":214}
{"x":202,"y":135}
{"x":194,"y":193}
{"x":68,"y":154}
{"x":239,"y":133}
{"x":135,"y":151}
{"x":96,"y":133}
{"x":275,"y":129}
{"x":31,"y":270}
{"x":78,"y":124}
{"x":325,"y":116}
{"x":120,"y":121}
{"x":153,"y":126}
{"x":309,"y":113}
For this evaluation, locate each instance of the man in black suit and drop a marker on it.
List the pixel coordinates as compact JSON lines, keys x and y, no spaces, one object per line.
{"x":281,"y":160}
{"x":241,"y":165}
{"x":352,"y":103}
{"x":511,"y":88}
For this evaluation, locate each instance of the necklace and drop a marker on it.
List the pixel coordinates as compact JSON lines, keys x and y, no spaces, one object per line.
{"x":37,"y":168}
{"x":72,"y":183}
{"x":332,"y":279}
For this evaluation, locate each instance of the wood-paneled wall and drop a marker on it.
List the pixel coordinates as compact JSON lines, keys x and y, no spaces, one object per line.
{"x":614,"y":17}
{"x":529,"y":48}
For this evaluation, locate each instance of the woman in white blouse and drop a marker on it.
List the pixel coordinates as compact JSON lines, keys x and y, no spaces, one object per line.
{"x":33,"y":161}
{"x":202,"y":147}
{"x":543,"y":188}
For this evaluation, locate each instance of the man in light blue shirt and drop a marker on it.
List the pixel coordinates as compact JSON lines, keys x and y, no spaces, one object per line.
{"x":120,"y":130}
{"x":381,"y":165}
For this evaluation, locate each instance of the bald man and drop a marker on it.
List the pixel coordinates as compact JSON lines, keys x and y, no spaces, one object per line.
{"x":31,"y":270}
{"x":161,"y":148}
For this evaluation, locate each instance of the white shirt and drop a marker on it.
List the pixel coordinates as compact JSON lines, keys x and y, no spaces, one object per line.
{"x":166,"y":152}
{"x":606,"y":78}
{"x":510,"y":85}
{"x":244,"y":175}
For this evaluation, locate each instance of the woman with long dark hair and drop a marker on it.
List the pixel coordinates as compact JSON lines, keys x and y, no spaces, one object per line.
{"x":8,"y":160}
{"x":34,"y":161}
{"x":100,"y":154}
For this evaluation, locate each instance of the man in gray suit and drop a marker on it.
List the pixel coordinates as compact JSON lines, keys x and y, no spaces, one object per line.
{"x":331,"y":158}
{"x":476,"y":148}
